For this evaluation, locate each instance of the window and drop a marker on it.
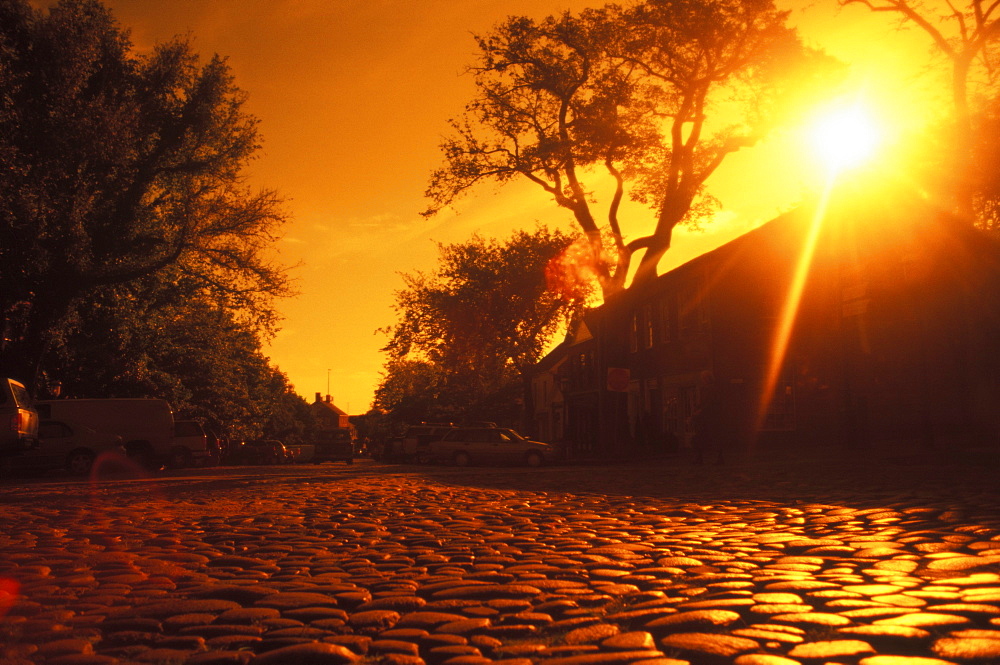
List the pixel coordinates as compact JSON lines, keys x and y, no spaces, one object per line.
{"x":53,"y":429}
{"x":646,"y":340}
{"x":633,"y":336}
{"x":582,"y":371}
{"x":666,"y":317}
{"x":641,"y":330}
{"x":693,"y":306}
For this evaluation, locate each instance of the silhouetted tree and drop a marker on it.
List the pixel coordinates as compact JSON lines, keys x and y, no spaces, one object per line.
{"x":410,"y":391}
{"x":467,"y":331}
{"x":115,"y":166}
{"x":634,"y":94}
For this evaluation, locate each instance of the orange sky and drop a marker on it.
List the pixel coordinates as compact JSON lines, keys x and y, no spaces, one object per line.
{"x":353,"y":98}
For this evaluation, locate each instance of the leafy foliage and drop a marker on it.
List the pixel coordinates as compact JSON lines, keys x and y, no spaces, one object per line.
{"x":466,"y":331}
{"x":626,"y":93}
{"x":114,"y":167}
{"x":133,"y":257}
{"x":154,"y":342}
{"x":411,"y":391}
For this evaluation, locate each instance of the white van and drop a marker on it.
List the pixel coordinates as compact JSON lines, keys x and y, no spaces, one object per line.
{"x":146,"y":427}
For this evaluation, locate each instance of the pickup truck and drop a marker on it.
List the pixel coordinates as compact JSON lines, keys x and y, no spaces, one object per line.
{"x":18,"y":419}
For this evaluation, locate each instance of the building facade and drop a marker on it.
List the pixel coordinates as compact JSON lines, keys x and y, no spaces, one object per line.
{"x":841,"y":330}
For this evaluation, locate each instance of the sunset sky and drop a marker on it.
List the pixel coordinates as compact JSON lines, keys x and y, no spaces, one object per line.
{"x":353,"y":98}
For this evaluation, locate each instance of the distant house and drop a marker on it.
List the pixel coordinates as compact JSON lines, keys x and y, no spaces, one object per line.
{"x":895,"y":334}
{"x":328,"y":415}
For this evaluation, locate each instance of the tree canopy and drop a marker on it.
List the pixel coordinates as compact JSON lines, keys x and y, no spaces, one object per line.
{"x":134,"y":259}
{"x":652,"y":96}
{"x":117,"y":166}
{"x":148,"y":339}
{"x":467,"y":330}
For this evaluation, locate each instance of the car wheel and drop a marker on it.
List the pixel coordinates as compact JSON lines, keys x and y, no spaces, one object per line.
{"x":79,"y":462}
{"x":533,"y":458}
{"x":179,"y":458}
{"x":461,"y":459}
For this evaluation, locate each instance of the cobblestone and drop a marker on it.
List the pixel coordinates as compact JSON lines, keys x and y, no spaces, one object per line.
{"x":661,"y":564}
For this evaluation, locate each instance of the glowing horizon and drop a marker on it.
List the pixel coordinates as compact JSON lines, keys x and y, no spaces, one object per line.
{"x":328,"y":82}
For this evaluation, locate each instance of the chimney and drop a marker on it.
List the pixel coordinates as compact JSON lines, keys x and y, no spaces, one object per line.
{"x":318,"y":400}
{"x":328,"y":399}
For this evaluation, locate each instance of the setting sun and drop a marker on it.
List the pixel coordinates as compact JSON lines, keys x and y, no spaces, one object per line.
{"x":844,"y":137}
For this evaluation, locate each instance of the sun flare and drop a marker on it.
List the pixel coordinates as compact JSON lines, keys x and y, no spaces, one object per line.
{"x":845,"y":137}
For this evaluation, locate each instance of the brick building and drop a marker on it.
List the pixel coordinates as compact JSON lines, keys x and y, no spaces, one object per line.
{"x":329,"y":415}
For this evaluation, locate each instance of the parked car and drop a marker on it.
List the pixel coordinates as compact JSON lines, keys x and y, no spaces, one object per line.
{"x":188,"y":436}
{"x":336,"y":445}
{"x":413,"y":446}
{"x":489,"y":445}
{"x":260,"y":451}
{"x":18,"y":419}
{"x":70,"y":446}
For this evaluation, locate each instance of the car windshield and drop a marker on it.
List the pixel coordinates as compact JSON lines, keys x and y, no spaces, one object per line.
{"x":509,"y":434}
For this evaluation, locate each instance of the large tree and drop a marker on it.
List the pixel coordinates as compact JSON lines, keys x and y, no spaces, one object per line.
{"x":651,"y":96}
{"x":150,"y":339}
{"x":467,"y":331}
{"x":411,"y":391}
{"x":115,"y":166}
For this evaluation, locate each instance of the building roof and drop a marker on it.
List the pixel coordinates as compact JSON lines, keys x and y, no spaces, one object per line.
{"x":327,"y":406}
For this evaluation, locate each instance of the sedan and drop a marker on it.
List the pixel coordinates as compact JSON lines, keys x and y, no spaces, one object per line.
{"x":489,"y":445}
{"x":260,"y":451}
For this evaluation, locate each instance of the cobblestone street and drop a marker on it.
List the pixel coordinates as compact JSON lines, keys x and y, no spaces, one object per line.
{"x":890,"y":562}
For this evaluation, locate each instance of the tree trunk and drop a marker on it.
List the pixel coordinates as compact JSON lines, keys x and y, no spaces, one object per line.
{"x":646,"y":272}
{"x":658,"y":244}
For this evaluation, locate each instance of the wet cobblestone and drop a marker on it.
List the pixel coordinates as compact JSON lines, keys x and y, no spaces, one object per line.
{"x":883,"y":563}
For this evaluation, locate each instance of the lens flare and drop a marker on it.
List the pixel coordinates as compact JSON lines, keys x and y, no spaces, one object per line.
{"x":8,"y":594}
{"x":572,"y":274}
{"x":790,"y":309}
